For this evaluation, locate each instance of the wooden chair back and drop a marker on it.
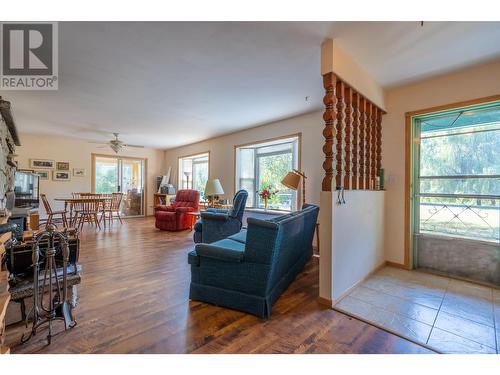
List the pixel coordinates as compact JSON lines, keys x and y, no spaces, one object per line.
{"x":89,"y":205}
{"x":116,"y":200}
{"x":46,"y":204}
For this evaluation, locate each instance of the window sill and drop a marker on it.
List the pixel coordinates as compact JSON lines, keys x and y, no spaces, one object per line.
{"x":269,"y":211}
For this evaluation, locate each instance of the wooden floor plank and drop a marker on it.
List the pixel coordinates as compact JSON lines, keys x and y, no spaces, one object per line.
{"x":134,"y":299}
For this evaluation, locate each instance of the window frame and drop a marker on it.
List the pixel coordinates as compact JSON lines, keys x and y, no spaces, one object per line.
{"x":255,"y":144}
{"x":410,"y":169}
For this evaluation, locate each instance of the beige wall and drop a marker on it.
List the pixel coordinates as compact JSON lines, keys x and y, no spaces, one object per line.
{"x":468,"y":84}
{"x":222,"y":151}
{"x":335,"y":59}
{"x":78,"y":154}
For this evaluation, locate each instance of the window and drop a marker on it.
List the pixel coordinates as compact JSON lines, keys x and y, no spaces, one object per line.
{"x":263,"y":165}
{"x":457,"y":173}
{"x":193,"y":172}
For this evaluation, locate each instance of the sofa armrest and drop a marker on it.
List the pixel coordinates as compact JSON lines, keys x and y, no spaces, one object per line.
{"x":217,"y":210}
{"x":164,"y":208}
{"x":181,"y":210}
{"x":214,"y":216}
{"x":219,"y":253}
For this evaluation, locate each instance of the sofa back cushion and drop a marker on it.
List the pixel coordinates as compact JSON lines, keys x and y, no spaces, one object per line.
{"x":187,"y":198}
{"x":281,"y":242}
{"x":239,"y":203}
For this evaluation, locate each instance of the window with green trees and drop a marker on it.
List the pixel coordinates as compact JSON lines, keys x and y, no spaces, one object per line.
{"x":458,"y":173}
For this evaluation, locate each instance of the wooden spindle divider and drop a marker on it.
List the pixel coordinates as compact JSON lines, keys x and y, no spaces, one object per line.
{"x":348,"y":137}
{"x":329,"y":117}
{"x":373,"y":162}
{"x":353,"y":137}
{"x":368,"y":121}
{"x":379,"y":141}
{"x":339,"y":154}
{"x":362,"y":123}
{"x":355,"y":140}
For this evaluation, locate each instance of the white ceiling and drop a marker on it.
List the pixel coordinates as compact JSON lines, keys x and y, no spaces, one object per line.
{"x":169,"y":84}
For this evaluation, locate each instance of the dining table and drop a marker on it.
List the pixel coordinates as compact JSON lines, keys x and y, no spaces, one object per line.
{"x":69,"y":204}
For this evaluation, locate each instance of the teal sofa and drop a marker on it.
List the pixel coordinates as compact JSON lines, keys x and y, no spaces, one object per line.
{"x":249,"y":270}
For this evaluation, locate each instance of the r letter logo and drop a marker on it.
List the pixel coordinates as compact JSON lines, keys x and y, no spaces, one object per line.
{"x":29,"y":58}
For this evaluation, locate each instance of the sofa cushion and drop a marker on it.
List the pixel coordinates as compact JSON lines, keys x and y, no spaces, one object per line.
{"x":241,"y":236}
{"x":230,"y":244}
{"x":224,"y":250}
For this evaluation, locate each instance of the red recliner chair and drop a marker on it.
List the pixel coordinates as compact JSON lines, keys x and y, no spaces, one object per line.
{"x":174,"y":217}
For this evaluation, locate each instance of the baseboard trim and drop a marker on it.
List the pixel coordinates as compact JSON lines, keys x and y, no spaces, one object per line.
{"x":397,"y":265}
{"x":325,"y":302}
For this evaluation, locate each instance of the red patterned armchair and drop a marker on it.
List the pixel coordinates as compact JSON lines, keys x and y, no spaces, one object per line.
{"x":174,"y":217}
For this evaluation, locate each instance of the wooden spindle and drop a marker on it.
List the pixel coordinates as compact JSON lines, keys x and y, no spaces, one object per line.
{"x":339,"y":91}
{"x":368,"y":121}
{"x":362,"y":118}
{"x":373,"y":162}
{"x":379,"y":141}
{"x":355,"y":140}
{"x":329,"y":117}
{"x":348,"y":137}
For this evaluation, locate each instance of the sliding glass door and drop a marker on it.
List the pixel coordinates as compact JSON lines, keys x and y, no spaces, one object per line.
{"x":121,"y":174}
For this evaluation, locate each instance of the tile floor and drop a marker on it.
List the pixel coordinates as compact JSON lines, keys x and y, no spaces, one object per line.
{"x":448,"y":315}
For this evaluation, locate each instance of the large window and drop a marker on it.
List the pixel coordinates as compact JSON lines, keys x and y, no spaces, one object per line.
{"x":193,"y":172}
{"x":457,"y":173}
{"x":263,"y":165}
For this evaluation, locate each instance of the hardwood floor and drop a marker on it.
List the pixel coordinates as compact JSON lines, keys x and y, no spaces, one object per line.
{"x":134,"y":299}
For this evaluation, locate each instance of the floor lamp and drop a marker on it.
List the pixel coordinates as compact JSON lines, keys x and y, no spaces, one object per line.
{"x":292,"y":181}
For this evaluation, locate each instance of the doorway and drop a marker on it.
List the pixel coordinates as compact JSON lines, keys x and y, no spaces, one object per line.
{"x":126,"y":175}
{"x":455,"y":192}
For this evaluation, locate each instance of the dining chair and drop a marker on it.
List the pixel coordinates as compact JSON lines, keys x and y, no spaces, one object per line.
{"x":112,"y":209}
{"x":86,"y":211}
{"x":51,"y":213}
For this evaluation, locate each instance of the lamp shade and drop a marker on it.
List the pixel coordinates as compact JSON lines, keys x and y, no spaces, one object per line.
{"x":291,"y":180}
{"x":213,"y":187}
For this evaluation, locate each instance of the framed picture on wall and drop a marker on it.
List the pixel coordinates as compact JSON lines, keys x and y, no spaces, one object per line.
{"x":61,"y":176}
{"x":43,"y":175}
{"x":62,"y":166}
{"x":42,"y":164}
{"x":79,"y":172}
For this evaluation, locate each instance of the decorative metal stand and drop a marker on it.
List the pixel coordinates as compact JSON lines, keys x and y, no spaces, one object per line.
{"x":57,"y":307}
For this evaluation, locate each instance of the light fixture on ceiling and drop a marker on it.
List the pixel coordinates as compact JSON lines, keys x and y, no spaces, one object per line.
{"x":117,"y":145}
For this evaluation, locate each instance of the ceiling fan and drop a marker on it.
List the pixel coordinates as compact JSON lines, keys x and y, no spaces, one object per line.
{"x":116,"y":144}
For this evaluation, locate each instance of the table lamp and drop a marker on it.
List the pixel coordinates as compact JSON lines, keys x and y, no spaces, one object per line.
{"x":292,"y":181}
{"x":213,"y":189}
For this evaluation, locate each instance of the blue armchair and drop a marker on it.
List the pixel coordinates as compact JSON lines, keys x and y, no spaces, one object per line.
{"x":216,"y":224}
{"x":248,"y":271}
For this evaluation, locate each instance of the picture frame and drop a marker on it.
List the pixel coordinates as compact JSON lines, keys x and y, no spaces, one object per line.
{"x":42,"y":175}
{"x":79,"y":172}
{"x":62,"y":166}
{"x":42,"y":164}
{"x":25,"y":170}
{"x":61,"y":175}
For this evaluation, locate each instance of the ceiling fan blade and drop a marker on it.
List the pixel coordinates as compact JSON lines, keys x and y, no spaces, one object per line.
{"x":98,"y":143}
{"x":137,"y":146}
